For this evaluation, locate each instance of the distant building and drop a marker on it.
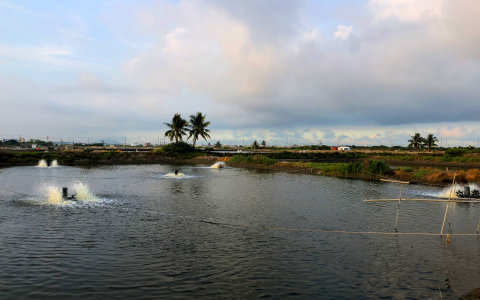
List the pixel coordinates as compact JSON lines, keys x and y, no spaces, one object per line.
{"x":21,"y":140}
{"x":342,"y":148}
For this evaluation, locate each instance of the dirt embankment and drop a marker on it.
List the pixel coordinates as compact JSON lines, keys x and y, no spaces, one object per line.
{"x":435,"y":164}
{"x":422,"y":175}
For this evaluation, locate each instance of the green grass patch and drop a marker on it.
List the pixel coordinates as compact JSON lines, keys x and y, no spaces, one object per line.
{"x":253,"y":159}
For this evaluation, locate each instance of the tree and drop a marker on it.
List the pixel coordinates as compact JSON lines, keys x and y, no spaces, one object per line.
{"x":218,"y":144}
{"x":255,"y":144}
{"x":431,"y":141}
{"x":198,"y":127}
{"x":177,"y":128}
{"x":416,"y":141}
{"x":264,"y":144}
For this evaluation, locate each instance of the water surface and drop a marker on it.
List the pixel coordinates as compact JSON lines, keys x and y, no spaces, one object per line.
{"x":216,"y":233}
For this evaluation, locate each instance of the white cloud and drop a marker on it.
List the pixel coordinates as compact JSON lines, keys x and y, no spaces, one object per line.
{"x":343,"y":32}
{"x":416,"y":63}
{"x":172,"y":39}
{"x":407,"y":10}
{"x":56,"y":55}
{"x":311,"y":35}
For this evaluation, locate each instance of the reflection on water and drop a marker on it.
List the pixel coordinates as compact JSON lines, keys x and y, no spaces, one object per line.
{"x":136,"y":233}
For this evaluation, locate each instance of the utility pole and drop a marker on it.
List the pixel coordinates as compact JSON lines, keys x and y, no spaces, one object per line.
{"x":125,"y":143}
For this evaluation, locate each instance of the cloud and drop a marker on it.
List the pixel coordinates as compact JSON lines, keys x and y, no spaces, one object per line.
{"x":406,"y":10}
{"x":220,"y":55}
{"x":271,"y":70}
{"x":52,"y":54}
{"x":343,"y":32}
{"x":452,"y":132}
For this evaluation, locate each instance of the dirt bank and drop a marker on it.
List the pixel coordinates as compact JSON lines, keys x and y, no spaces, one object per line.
{"x":421,"y":175}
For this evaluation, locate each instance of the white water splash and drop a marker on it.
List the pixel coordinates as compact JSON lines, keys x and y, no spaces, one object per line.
{"x":218,"y":165}
{"x":83,"y":192}
{"x":173,"y":175}
{"x":54,"y":164}
{"x":52,"y":194}
{"x":451,"y":191}
{"x":42,"y":164}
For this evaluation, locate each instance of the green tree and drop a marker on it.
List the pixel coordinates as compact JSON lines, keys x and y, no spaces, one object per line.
{"x":255,"y":144}
{"x":416,"y":142}
{"x":431,"y":141}
{"x":264,"y":144}
{"x":198,"y":127}
{"x":218,"y":144}
{"x":176,"y":128}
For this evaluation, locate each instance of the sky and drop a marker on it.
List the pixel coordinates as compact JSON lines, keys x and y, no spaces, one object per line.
{"x":357,"y":72}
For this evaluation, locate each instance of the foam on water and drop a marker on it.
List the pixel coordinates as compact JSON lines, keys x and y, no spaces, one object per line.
{"x":54,"y":164}
{"x":173,"y":175}
{"x":42,"y":164}
{"x":218,"y":165}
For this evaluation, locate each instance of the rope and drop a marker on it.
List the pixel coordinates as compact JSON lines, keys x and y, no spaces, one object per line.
{"x":335,"y":231}
{"x":23,"y":194}
{"x":69,"y":177}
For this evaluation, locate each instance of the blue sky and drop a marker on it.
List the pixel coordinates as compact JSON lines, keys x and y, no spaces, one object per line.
{"x":351,"y":72}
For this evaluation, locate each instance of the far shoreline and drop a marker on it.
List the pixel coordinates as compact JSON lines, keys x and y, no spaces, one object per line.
{"x":439,"y":173}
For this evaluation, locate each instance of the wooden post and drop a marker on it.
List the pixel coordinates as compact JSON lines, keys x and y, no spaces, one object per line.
{"x":398,"y":209}
{"x":446,"y":209}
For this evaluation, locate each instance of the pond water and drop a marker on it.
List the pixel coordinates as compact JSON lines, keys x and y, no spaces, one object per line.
{"x":140,"y":232}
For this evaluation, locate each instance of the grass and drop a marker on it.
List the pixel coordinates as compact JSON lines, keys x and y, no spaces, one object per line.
{"x":253,"y":159}
{"x":363,"y":169}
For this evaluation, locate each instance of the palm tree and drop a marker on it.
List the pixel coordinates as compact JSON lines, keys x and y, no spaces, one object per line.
{"x":177,"y":128}
{"x":416,"y":141}
{"x":431,"y":141}
{"x":198,"y":127}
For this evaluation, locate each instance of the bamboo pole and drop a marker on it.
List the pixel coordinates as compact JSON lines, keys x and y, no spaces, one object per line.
{"x":444,"y":218}
{"x":398,"y":209}
{"x":394,"y":181}
{"x":467,"y":200}
{"x":446,"y":209}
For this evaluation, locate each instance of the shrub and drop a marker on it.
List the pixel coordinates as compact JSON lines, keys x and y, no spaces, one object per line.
{"x":173,"y":148}
{"x":350,"y":168}
{"x":378,"y":167}
{"x":455,"y":151}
